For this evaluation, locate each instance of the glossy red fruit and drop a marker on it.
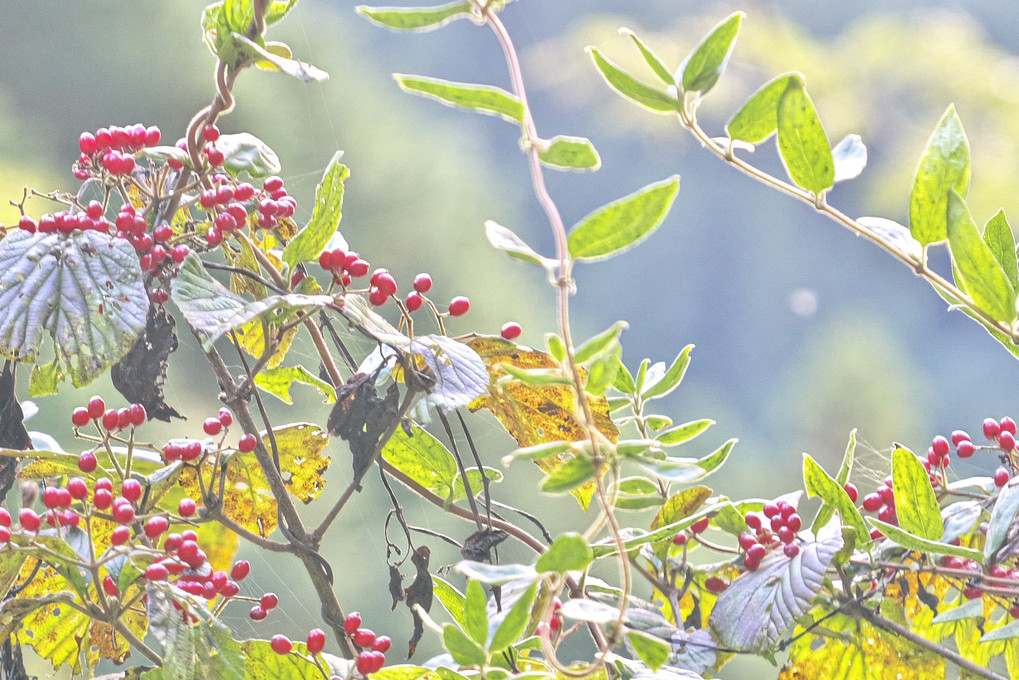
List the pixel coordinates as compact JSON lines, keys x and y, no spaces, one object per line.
{"x":771,"y":510}
{"x":281,"y":644}
{"x":791,"y":550}
{"x":386,"y":284}
{"x":123,"y":513}
{"x":965,"y":449}
{"x":50,"y":497}
{"x":102,"y":499}
{"x":1007,"y":425}
{"x":316,"y":641}
{"x":215,"y":156}
{"x":414,"y":302}
{"x":257,"y":613}
{"x":852,"y":491}
{"x":351,"y":623}
{"x":1006,"y":440}
{"x":872,"y":502}
{"x":131,"y":490}
{"x":120,"y":535}
{"x":110,"y":586}
{"x":700,"y":525}
{"x":210,"y":133}
{"x":794,"y":523}
{"x":226,"y":418}
{"x":364,"y":638}
{"x":87,"y":462}
{"x":971,"y":592}
{"x":156,"y":572}
{"x":1001,"y":477}
{"x":716,"y":585}
{"x":422,"y":283}
{"x":186,"y":507}
{"x":77,"y":488}
{"x":382,"y":644}
{"x":753,"y":520}
{"x":111,"y":421}
{"x":240,"y":570}
{"x":96,"y":406}
{"x":230,"y":589}
{"x":365,"y":663}
{"x":377,"y":297}
{"x":29,"y":520}
{"x":212,"y":426}
{"x":959,"y":436}
{"x":991,"y":428}
{"x":459,"y":305}
{"x":680,"y":538}
{"x":80,"y":416}
{"x":940,"y":446}
{"x":511,"y":330}
{"x":269,"y":601}
{"x":155,"y":526}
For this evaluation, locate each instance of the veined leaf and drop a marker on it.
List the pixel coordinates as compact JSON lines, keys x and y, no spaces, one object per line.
{"x":985,"y":281}
{"x":476,"y":612}
{"x":683,"y":433}
{"x":417,"y":18}
{"x":679,"y":506}
{"x":945,"y":164}
{"x":916,"y":506}
{"x":309,"y":241}
{"x":802,"y":142}
{"x":758,"y":119}
{"x":244,"y":152}
{"x":651,"y":649}
{"x":705,"y":65}
{"x":608,"y":547}
{"x":423,"y":458}
{"x":622,"y":82}
{"x":569,"y":153}
{"x":461,"y":376}
{"x":277,"y":382}
{"x":515,"y":621}
{"x":818,"y":482}
{"x":599,"y":343}
{"x":827,"y":511}
{"x":1003,"y":517}
{"x":482,"y":98}
{"x":1001,"y":242}
{"x":652,"y":59}
{"x":294,"y":68}
{"x":464,"y":650}
{"x":451,"y":599}
{"x":622,"y":224}
{"x":911,"y":541}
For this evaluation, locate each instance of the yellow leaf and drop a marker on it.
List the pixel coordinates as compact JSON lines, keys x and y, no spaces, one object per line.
{"x":536,"y":414}
{"x":54,"y":631}
{"x":251,"y":337}
{"x":220,"y":545}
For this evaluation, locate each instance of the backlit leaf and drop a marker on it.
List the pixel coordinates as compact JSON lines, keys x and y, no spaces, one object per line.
{"x":417,"y":18}
{"x":464,"y":651}
{"x":1001,"y":242}
{"x":244,"y":152}
{"x":638,"y":493}
{"x":945,"y":164}
{"x":569,"y":475}
{"x":294,"y":68}
{"x":451,"y":599}
{"x":985,"y":281}
{"x":916,"y":506}
{"x":515,"y":621}
{"x":679,"y":506}
{"x":536,"y":414}
{"x":84,"y":289}
{"x":758,"y":119}
{"x":705,"y":65}
{"x":802,"y":142}
{"x":505,"y":240}
{"x":819,"y":483}
{"x":569,"y":552}
{"x":624,"y":223}
{"x":313,"y":238}
{"x":481,"y":98}
{"x":650,"y":649}
{"x":683,"y":433}
{"x":652,"y":59}
{"x":569,"y":153}
{"x":913,"y":542}
{"x":423,"y":458}
{"x":461,"y":376}
{"x":600,"y":343}
{"x":625,"y":84}
{"x":277,"y":382}
{"x":476,"y":612}
{"x":668,"y":381}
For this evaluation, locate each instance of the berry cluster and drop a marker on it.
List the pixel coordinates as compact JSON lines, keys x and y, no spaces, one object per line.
{"x":776,"y":525}
{"x":229,"y":205}
{"x":555,"y":622}
{"x":974,"y":588}
{"x":372,"y":655}
{"x":112,"y":149}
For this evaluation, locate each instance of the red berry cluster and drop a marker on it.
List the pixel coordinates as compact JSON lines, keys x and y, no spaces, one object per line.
{"x":112,"y":149}
{"x":555,"y":622}
{"x":110,"y":420}
{"x":372,"y":655}
{"x":265,"y":605}
{"x":696,"y":528}
{"x":229,"y":204}
{"x":67,"y":221}
{"x":154,"y":249}
{"x":776,"y":525}
{"x":1002,"y":433}
{"x":344,"y":266}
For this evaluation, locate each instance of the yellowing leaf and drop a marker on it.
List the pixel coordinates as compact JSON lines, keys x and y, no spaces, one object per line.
{"x":54,"y":631}
{"x":220,"y":545}
{"x":251,"y":336}
{"x":536,"y":414}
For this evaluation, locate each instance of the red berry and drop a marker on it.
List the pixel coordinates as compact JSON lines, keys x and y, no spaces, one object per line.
{"x":746,"y":540}
{"x":87,"y":143}
{"x":940,"y":446}
{"x":50,"y":497}
{"x":852,"y":491}
{"x":771,"y":509}
{"x":80,"y":416}
{"x":365,"y":663}
{"x":325,"y":260}
{"x":959,"y":436}
{"x":971,"y":592}
{"x":156,"y":572}
{"x":383,"y":643}
{"x":1006,"y":440}
{"x":155,"y":526}
{"x":172,"y":452}
{"x":316,"y":641}
{"x":240,"y":570}
{"x":96,"y":407}
{"x":77,"y":488}
{"x":102,"y":499}
{"x":1008,"y":425}
{"x":87,"y":462}
{"x":887,"y":514}
{"x":212,"y":426}
{"x":120,"y":535}
{"x":281,"y":644}
{"x":991,"y":428}
{"x":191,"y":450}
{"x":29,"y":520}
{"x":26,"y":223}
{"x":187,"y":507}
{"x":188,"y":550}
{"x":152,"y":136}
{"x":229,"y":589}
{"x":257,"y":613}
{"x":1001,"y":477}
{"x":214,"y":236}
{"x":110,"y":586}
{"x":244,"y":191}
{"x":886,"y":493}
{"x":511,"y":330}
{"x":123,"y":513}
{"x":794,"y":523}
{"x":757,"y":552}
{"x":422,"y":283}
{"x":965,"y":449}
{"x":700,"y":525}
{"x":214,"y":155}
{"x":459,"y":305}
{"x":414,"y":302}
{"x":364,"y":638}
{"x":225,"y":417}
{"x":791,"y":550}
{"x":358,"y":268}
{"x":351,"y":623}
{"x":269,"y":601}
{"x":247,"y":443}
{"x":716,"y":585}
{"x":111,"y":421}
{"x":680,"y":538}
{"x":210,"y":132}
{"x":377,"y":297}
{"x":131,"y":489}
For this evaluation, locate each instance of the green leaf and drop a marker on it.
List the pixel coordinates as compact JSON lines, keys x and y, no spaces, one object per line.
{"x":85,"y":289}
{"x":476,"y":482}
{"x":569,"y":475}
{"x":294,"y":68}
{"x":569,"y":552}
{"x":624,"y":381}
{"x":1001,"y":242}
{"x":536,"y":376}
{"x":602,"y":371}
{"x":556,"y":346}
{"x":464,"y":650}
{"x":309,"y":242}
{"x":652,"y":59}
{"x":476,"y":612}
{"x":652,"y":650}
{"x":515,"y":622}
{"x":1003,"y":517}
{"x":244,"y":152}
{"x":496,"y":574}
{"x":423,"y":458}
{"x":758,"y":119}
{"x":669,"y":381}
{"x":505,"y":240}
{"x":417,"y":18}
{"x":911,"y":541}
{"x":600,"y":344}
{"x":683,"y":433}
{"x":633,"y":89}
{"x":451,"y":599}
{"x":753,"y":613}
{"x":609,"y":547}
{"x":482,"y":98}
{"x":819,"y":483}
{"x":461,"y":376}
{"x":916,"y":506}
{"x":984,"y":278}
{"x":963,"y":611}
{"x":687,"y":470}
{"x":1009,"y":630}
{"x":212,"y":310}
{"x":277,"y":382}
{"x":624,"y":223}
{"x":45,"y":379}
{"x":825,"y":514}
{"x":637,"y":493}
{"x":569,"y":153}
{"x":679,"y":506}
{"x":945,"y":164}
{"x":705,"y":65}
{"x":802,"y":143}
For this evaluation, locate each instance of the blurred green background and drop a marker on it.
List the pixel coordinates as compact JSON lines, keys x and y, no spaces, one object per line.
{"x":802,"y":331}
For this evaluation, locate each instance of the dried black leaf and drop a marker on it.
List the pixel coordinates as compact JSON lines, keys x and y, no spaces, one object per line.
{"x":396,"y":586}
{"x":13,"y":434}
{"x":419,"y":593}
{"x":140,"y":375}
{"x":478,"y":546}
{"x":360,"y":417}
